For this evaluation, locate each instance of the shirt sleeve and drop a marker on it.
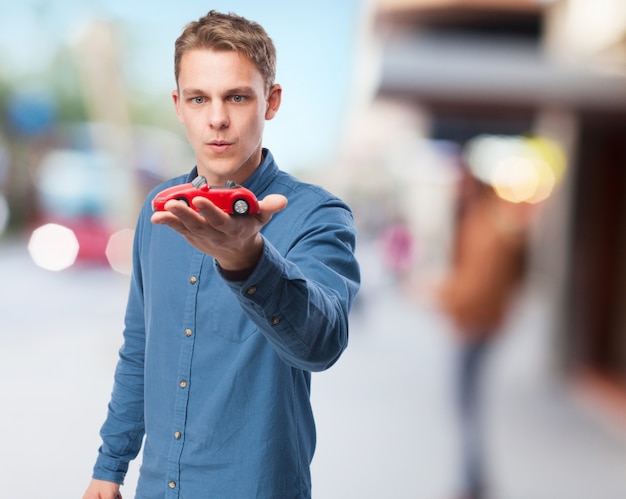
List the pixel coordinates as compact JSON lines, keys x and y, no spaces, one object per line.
{"x":123,"y":430}
{"x":301,"y":299}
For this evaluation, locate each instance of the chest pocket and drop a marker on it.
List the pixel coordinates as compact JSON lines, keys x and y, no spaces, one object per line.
{"x":219,"y":312}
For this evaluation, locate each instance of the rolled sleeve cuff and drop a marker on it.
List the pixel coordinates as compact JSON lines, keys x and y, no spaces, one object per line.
{"x":259,"y":286}
{"x":110,"y":469}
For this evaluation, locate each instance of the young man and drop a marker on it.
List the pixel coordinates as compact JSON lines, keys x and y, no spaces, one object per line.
{"x":228,"y":315}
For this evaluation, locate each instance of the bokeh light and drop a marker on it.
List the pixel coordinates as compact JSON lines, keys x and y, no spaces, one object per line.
{"x":53,"y":247}
{"x":119,"y":251}
{"x":520,"y":169}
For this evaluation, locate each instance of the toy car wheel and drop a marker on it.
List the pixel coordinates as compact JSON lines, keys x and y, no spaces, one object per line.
{"x":241,"y":207}
{"x":184,"y":200}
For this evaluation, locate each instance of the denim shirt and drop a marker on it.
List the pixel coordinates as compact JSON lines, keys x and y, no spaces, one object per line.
{"x":216,"y":374}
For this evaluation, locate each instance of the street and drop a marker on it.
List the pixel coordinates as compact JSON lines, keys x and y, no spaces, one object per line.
{"x":384,"y":412}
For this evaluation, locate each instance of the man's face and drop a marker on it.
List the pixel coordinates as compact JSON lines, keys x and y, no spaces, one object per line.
{"x":221,"y":101}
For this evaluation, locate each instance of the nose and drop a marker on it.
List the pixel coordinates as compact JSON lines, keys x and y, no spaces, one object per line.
{"x":218,"y":116}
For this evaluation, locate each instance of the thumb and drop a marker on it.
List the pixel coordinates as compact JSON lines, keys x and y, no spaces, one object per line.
{"x":272,"y":203}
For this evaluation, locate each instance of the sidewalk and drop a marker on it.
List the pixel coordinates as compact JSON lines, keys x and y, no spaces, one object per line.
{"x":396,"y":434}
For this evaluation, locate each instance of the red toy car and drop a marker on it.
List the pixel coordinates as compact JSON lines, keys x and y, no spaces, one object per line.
{"x":231,"y":198}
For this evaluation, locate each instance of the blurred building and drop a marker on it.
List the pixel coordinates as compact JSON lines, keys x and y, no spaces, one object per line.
{"x":452,"y":70}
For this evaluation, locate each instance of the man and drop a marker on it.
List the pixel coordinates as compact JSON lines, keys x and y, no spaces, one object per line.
{"x":228,"y":315}
{"x":487,"y":272}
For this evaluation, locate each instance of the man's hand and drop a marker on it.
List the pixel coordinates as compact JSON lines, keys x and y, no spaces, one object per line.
{"x":234,"y":241}
{"x":100,"y":489}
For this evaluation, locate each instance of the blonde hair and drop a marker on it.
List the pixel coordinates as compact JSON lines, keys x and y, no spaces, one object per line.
{"x":218,"y":31}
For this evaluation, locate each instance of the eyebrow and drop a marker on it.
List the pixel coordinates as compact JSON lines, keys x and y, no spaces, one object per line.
{"x":241,"y":90}
{"x":237,"y":90}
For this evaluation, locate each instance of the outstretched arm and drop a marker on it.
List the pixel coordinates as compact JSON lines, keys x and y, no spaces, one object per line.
{"x":300,"y":294}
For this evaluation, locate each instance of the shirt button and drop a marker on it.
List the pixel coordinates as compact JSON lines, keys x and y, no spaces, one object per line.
{"x":183,"y":384}
{"x":172,"y":484}
{"x":188,"y":332}
{"x":251,"y":290}
{"x":177,"y":435}
{"x":193,"y":279}
{"x":275,"y":321}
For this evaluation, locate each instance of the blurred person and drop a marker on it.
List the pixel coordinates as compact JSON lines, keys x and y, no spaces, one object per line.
{"x":228,"y":316}
{"x":487,"y":270}
{"x":397,"y":247}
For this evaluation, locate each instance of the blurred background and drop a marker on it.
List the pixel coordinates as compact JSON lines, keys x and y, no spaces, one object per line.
{"x":390,"y":104}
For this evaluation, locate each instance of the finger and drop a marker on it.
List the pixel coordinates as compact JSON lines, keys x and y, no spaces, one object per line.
{"x":169,"y":219}
{"x":178,"y":215}
{"x":272,"y":203}
{"x":211,"y":214}
{"x":173,"y":203}
{"x":179,"y":208}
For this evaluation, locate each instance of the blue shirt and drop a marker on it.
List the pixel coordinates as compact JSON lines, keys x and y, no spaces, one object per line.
{"x":216,"y":374}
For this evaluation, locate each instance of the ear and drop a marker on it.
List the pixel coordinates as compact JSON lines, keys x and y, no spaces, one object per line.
{"x":273,"y":101}
{"x":176,"y":99}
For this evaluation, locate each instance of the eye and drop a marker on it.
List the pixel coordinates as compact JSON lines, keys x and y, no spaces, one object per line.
{"x":238,"y":98}
{"x":197,"y":100}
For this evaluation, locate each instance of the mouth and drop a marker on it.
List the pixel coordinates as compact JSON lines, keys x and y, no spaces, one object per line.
{"x":219,"y":145}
